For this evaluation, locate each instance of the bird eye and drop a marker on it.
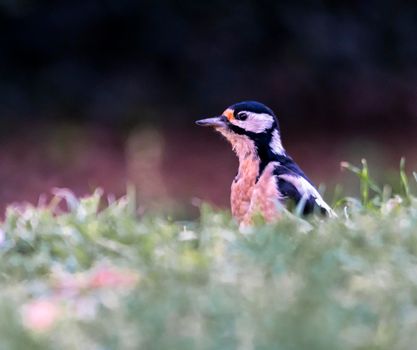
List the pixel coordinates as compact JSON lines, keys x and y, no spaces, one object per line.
{"x":242,"y":116}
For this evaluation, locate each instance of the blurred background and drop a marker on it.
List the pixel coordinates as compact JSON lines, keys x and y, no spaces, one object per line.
{"x":102,"y":93}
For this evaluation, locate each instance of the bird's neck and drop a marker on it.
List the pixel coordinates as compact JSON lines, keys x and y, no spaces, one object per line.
{"x":269,"y":149}
{"x":266,"y":157}
{"x":257,"y":152}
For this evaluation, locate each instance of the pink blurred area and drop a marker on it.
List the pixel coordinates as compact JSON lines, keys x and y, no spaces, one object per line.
{"x":175,"y":165}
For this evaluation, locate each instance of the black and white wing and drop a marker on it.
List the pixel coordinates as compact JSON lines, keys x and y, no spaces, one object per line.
{"x":296,"y":187}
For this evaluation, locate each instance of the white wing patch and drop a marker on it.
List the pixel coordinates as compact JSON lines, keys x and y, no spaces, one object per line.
{"x":306,"y":190}
{"x":256,"y":122}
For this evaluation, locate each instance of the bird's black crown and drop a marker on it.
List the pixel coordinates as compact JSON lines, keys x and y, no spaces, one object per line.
{"x":251,"y":106}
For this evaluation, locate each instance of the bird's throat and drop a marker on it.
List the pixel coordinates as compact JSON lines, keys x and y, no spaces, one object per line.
{"x":249,"y":161}
{"x":254,"y":154}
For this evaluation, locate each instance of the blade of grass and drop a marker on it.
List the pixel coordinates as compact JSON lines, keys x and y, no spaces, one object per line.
{"x":404,"y":181}
{"x":364,"y":177}
{"x":366,"y":183}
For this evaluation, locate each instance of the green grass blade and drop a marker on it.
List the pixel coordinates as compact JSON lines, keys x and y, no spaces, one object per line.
{"x":404,"y":181}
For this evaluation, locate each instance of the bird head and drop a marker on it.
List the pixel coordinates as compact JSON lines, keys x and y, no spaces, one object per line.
{"x":251,"y":127}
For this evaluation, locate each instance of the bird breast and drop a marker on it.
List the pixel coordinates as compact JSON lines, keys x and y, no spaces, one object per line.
{"x":250,"y":196}
{"x":265,"y":197}
{"x":243,"y":186}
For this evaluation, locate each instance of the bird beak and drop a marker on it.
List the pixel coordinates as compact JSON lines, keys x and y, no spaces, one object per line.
{"x":217,"y":122}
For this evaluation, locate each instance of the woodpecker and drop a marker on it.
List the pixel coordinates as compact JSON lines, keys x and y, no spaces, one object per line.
{"x":267,"y":175}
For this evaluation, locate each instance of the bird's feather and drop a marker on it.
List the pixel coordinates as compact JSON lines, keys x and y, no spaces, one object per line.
{"x":295,"y":186}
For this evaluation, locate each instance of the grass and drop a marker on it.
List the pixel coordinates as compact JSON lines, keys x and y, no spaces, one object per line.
{"x":93,"y":278}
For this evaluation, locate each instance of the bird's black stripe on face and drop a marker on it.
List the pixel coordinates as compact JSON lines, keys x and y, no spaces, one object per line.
{"x":252,"y":135}
{"x":236,"y":129}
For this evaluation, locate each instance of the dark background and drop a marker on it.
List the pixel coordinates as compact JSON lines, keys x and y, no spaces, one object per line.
{"x":98,"y":93}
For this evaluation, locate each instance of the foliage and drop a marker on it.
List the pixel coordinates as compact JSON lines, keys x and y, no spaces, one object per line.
{"x":100,"y":277}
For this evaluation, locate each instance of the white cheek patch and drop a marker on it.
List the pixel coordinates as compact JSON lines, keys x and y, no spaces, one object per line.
{"x":255,"y":122}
